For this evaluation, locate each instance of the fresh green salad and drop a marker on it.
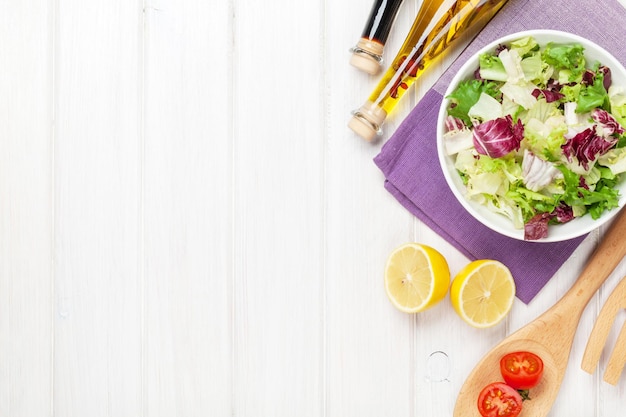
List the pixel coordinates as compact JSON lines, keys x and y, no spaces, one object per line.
{"x":538,"y":135}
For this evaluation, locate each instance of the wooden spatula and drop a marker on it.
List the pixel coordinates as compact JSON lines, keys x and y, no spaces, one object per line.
{"x":550,"y":335}
{"x":600,"y":333}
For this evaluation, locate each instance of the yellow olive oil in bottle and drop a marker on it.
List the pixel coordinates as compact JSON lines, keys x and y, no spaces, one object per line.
{"x":438,"y":24}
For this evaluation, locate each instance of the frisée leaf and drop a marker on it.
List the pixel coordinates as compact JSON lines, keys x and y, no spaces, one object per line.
{"x":577,"y":194}
{"x":566,"y":57}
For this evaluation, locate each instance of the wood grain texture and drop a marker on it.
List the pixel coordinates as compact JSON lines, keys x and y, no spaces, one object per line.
{"x":187,"y":210}
{"x":188,"y":227}
{"x":97,"y":218}
{"x":279,"y":208}
{"x":26,"y":207}
{"x":367,"y":339}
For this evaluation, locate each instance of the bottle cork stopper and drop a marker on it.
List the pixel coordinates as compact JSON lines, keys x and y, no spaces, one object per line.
{"x":365,"y":63}
{"x":367,"y":56}
{"x":367,"y":120}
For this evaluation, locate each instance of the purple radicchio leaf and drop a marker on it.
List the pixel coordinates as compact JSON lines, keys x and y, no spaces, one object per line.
{"x":500,"y":48}
{"x":582,"y":183}
{"x":498,"y":137}
{"x":563,"y":213}
{"x":454,"y":123}
{"x":586,"y":146}
{"x":588,"y":77}
{"x":607,"y":122}
{"x":537,"y":227}
{"x":536,"y":172}
{"x":550,"y":95}
{"x":477,"y":74}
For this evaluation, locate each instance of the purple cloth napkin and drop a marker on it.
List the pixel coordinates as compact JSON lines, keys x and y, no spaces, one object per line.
{"x":409,"y":159}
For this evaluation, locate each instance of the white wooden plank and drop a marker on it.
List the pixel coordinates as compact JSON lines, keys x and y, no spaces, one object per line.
{"x":279,"y":222}
{"x":98,"y":368}
{"x":188,"y":209}
{"x":371,"y":359}
{"x":26,"y":209}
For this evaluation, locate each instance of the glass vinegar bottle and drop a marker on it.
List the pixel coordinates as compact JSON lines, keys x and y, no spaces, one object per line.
{"x":438,"y":24}
{"x":367,"y":55}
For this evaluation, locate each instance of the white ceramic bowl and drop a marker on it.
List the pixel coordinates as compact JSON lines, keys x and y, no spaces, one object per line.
{"x":498,"y":222}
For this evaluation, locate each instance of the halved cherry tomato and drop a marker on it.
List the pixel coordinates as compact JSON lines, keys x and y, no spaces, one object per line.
{"x":521,"y":370}
{"x":499,"y":400}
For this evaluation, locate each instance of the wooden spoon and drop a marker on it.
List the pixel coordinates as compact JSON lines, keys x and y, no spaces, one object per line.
{"x":550,"y":335}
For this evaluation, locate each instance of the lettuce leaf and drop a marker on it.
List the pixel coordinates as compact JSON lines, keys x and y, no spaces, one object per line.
{"x":512,"y":62}
{"x":491,"y":68}
{"x":525,"y":45}
{"x":617,"y":100}
{"x":536,"y":70}
{"x":593,"y":96}
{"x":566,"y":57}
{"x":520,"y":93}
{"x":466,"y":95}
{"x":614,"y":160}
{"x":486,"y":108}
{"x":571,"y":92}
{"x":545,"y":138}
{"x":602,"y":197}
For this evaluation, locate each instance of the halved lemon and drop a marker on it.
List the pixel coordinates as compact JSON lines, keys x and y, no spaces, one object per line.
{"x":482,"y":293}
{"x":416,"y":277}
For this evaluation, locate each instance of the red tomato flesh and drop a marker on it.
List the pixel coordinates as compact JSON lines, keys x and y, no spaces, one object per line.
{"x":521,"y":370}
{"x":499,"y":400}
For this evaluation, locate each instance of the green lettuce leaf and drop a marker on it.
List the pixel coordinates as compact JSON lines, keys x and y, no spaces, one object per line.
{"x":491,"y":68}
{"x":618,"y":104}
{"x":603,"y":197}
{"x":525,"y":45}
{"x":466,"y":95}
{"x":566,"y":57}
{"x":593,"y":96}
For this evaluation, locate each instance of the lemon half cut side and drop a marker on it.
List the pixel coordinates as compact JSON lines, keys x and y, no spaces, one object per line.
{"x":416,"y":277}
{"x":483,"y":292}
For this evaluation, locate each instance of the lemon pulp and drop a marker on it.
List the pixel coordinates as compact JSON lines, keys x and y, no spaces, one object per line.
{"x":416,"y":277}
{"x":483,"y":292}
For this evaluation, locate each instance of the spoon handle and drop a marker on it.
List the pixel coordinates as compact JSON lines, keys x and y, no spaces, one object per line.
{"x":603,"y":261}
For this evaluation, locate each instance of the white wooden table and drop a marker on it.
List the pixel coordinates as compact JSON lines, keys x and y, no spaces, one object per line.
{"x":188,"y":228}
